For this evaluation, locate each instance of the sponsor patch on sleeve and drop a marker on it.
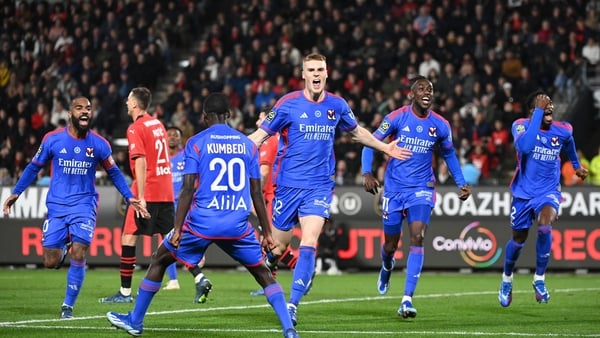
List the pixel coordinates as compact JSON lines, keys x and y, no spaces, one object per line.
{"x":385,"y":125}
{"x":270,"y":116}
{"x":520,"y":128}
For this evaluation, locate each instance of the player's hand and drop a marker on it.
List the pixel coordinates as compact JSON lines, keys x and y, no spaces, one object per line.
{"x":8,"y":203}
{"x":140,"y":208}
{"x":398,"y":152}
{"x":175,"y":238}
{"x":581,"y":172}
{"x":371,"y":184}
{"x":465,"y":192}
{"x":267,"y":242}
{"x":542,"y":101}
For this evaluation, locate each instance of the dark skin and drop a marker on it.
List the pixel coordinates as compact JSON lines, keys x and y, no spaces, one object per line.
{"x":163,"y":258}
{"x":422,"y":98}
{"x":548,"y":214}
{"x":80,"y":115}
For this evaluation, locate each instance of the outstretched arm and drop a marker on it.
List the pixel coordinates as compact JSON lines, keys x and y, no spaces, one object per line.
{"x":259,"y":136}
{"x":362,"y":135}
{"x":28,"y":176}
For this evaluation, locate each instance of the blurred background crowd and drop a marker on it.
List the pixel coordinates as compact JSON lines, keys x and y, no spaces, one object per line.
{"x":484,"y":57}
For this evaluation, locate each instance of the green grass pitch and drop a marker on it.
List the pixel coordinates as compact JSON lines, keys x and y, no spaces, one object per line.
{"x":347,"y":305}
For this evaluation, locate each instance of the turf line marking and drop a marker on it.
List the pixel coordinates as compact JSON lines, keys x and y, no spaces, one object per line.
{"x":26,"y":323}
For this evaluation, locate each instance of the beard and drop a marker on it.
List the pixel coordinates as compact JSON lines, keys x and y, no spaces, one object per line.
{"x":81,"y":131}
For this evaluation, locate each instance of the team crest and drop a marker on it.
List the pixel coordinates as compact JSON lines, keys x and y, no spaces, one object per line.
{"x":331,"y":114}
{"x":554,"y":141}
{"x":270,"y":116}
{"x":89,"y":152}
{"x":180,"y":165}
{"x":385,"y":125}
{"x":432,"y":131}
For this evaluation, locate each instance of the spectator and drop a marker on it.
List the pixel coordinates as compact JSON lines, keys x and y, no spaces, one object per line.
{"x":595,"y":169}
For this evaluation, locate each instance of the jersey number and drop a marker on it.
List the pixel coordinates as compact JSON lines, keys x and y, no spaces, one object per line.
{"x":163,"y":167}
{"x":228,"y":169}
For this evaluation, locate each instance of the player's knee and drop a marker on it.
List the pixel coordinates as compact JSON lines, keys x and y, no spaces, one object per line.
{"x":50,"y":261}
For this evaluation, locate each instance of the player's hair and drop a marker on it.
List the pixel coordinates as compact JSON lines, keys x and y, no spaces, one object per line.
{"x":176,"y":128}
{"x":530,"y":101}
{"x":216,"y":103}
{"x":314,"y":57}
{"x":143,"y":96}
{"x":416,"y":79}
{"x":75,"y":99}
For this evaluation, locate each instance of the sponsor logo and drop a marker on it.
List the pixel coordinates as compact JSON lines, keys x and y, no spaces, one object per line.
{"x":477,"y":245}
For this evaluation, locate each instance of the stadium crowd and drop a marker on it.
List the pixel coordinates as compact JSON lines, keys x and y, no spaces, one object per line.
{"x":483,"y":57}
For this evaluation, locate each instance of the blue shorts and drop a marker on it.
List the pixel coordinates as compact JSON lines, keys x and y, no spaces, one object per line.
{"x":56,"y":230}
{"x":415,"y":204}
{"x":291,"y":203}
{"x":246,"y":250}
{"x":523,"y":212}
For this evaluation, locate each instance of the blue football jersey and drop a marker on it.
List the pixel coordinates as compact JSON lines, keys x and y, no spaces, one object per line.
{"x":177,"y":165}
{"x":225,"y":160}
{"x":538,"y":171}
{"x":305,"y":158}
{"x":74,"y":161}
{"x":420,"y":135}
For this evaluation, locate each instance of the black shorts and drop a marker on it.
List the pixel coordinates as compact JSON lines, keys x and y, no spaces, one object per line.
{"x":161,"y":220}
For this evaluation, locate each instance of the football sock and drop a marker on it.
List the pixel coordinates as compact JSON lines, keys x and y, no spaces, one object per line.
{"x":302,"y":273}
{"x":198,"y":277}
{"x":172,"y":271}
{"x":146,"y":292}
{"x":128,"y":261}
{"x":414,"y":265}
{"x":275,"y":297}
{"x":75,"y":276}
{"x":543,"y":246}
{"x":512,"y":252}
{"x":386,"y":258}
{"x":195,"y":271}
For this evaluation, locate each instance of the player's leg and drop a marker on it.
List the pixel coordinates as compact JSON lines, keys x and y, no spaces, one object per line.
{"x":543,"y":246}
{"x":418,"y":217}
{"x":54,"y":241}
{"x":190,"y":251}
{"x":392,"y":232}
{"x":247,"y":251}
{"x":173,"y":283}
{"x":81,"y":232}
{"x":129,"y":237}
{"x":203,"y":284}
{"x":521,"y":220}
